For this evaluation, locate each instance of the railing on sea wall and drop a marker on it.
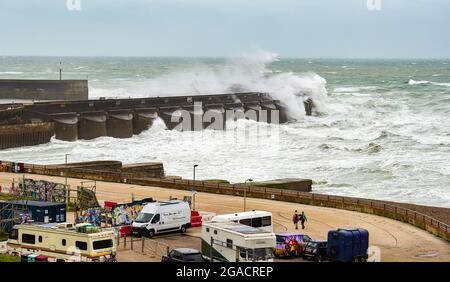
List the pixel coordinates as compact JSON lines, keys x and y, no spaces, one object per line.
{"x":376,"y":207}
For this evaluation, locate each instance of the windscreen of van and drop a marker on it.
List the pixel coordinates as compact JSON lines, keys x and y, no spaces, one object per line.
{"x":144,"y":217}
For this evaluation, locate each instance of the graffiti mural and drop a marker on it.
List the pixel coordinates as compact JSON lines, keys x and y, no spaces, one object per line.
{"x":91,"y":215}
{"x":125,"y":214}
{"x":41,"y":190}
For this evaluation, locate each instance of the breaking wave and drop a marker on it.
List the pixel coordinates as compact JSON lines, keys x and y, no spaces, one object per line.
{"x":249,"y":73}
{"x":424,"y":82}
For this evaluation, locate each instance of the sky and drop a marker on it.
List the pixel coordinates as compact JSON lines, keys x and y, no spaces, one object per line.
{"x":224,"y":28}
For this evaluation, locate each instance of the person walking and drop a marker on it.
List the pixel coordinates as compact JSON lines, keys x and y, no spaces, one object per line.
{"x":295,"y":219}
{"x":303,"y":219}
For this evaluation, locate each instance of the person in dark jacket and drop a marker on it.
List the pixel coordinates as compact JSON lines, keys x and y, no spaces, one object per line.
{"x":303,"y":219}
{"x":295,"y":219}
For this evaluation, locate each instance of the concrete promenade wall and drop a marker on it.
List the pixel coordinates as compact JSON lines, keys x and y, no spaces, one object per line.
{"x":375,"y":207}
{"x":44,"y":89}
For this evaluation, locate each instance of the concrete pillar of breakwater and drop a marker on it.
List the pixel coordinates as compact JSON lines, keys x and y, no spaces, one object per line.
{"x":214,"y":117}
{"x":283,"y":112}
{"x":92,"y":125}
{"x":119,"y":123}
{"x":166,"y":114}
{"x":308,"y":106}
{"x":66,"y":126}
{"x":192,"y":118}
{"x":269,"y":112}
{"x":253,"y":111}
{"x":235,"y":111}
{"x":143,"y":119}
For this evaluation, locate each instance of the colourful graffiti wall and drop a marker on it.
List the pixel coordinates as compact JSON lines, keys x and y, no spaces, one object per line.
{"x":92,"y":216}
{"x":41,"y":190}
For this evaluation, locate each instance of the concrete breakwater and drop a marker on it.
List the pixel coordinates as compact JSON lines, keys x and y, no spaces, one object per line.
{"x":37,"y":89}
{"x":121,"y":118}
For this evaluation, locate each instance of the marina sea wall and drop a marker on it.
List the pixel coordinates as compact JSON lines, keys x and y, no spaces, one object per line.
{"x":25,"y":134}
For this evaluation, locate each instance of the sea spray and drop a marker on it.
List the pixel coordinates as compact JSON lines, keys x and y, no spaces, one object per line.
{"x":248,"y":73}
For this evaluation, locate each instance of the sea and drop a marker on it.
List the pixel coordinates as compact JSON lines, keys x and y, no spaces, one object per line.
{"x":380,"y":129}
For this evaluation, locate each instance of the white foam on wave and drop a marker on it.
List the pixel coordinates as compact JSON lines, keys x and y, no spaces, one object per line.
{"x":353,"y":89}
{"x":11,"y":72}
{"x":420,"y":82}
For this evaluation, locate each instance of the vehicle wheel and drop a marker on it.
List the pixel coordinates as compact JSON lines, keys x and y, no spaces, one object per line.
{"x":151,"y":233}
{"x":319,"y":258}
{"x":183,"y":229}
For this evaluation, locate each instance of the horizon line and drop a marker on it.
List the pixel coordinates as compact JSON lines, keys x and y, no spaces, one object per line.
{"x":223,"y":57}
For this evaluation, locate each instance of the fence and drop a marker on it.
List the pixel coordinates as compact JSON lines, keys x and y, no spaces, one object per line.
{"x":417,"y":219}
{"x":143,"y":245}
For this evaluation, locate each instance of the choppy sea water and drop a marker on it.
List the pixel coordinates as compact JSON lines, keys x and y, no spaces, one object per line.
{"x":382,"y":130}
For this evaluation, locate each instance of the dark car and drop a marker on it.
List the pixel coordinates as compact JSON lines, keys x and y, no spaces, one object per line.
{"x":183,"y":255}
{"x":316,"y":250}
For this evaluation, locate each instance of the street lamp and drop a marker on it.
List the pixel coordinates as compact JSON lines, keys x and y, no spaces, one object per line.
{"x":65,"y":174}
{"x":193,"y":190}
{"x":196,"y":165}
{"x":245,"y":192}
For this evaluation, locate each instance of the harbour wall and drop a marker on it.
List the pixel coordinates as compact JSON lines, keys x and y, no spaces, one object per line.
{"x":123,"y":118}
{"x":25,"y":134}
{"x":43,"y":89}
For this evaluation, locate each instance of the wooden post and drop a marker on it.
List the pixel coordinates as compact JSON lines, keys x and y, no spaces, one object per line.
{"x":143,"y":244}
{"x":124,"y":242}
{"x":118,"y":239}
{"x":131,"y":238}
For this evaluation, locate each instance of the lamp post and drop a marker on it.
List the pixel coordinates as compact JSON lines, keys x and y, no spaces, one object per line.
{"x":245,"y":192}
{"x":193,"y":190}
{"x":65,"y":174}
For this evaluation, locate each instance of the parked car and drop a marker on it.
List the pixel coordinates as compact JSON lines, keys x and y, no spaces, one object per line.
{"x":290,"y":244}
{"x":183,"y":255}
{"x":316,"y":250}
{"x":348,"y":245}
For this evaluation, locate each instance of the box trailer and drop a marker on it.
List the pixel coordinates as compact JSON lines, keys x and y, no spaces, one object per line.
{"x":348,"y":245}
{"x":235,"y":242}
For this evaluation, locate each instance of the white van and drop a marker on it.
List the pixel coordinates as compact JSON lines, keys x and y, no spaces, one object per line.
{"x":162,"y":217}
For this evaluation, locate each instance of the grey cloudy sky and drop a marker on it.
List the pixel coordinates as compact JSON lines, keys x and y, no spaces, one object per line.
{"x":291,"y":28}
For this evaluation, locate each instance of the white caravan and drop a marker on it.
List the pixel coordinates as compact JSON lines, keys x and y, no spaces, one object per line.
{"x":160,"y":217}
{"x":257,"y":219}
{"x":62,"y":242}
{"x":234,"y":242}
